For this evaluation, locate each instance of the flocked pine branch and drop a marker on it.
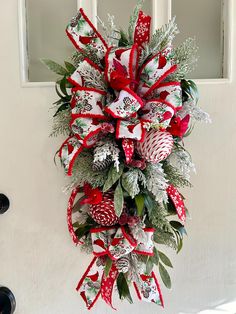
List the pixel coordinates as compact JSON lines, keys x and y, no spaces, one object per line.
{"x":83,"y":172}
{"x":174,"y":176}
{"x":92,"y":77}
{"x":185,"y":56}
{"x":133,"y":20}
{"x":61,"y":123}
{"x":163,"y":36}
{"x":196,"y":113}
{"x":181,"y":159}
{"x":132,"y":181}
{"x":156,"y":181}
{"x":111,"y":33}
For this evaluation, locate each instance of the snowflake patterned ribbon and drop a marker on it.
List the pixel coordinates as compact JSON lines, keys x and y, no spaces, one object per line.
{"x":142,"y":96}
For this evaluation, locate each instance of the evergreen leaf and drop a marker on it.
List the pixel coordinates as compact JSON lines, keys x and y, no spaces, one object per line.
{"x":123,"y":288}
{"x":118,"y":200}
{"x":155,"y":257}
{"x":165,"y":276}
{"x":63,"y":86}
{"x":149,"y":265}
{"x":108,"y":266}
{"x":113,"y":177}
{"x":139,"y":201}
{"x":70,"y":67}
{"x":54,"y":67}
{"x":165,"y":259}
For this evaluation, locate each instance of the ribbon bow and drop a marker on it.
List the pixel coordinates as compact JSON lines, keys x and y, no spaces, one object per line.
{"x":116,"y":243}
{"x":141,"y":96}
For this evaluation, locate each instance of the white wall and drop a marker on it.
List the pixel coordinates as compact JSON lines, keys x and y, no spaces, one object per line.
{"x":38,"y":261}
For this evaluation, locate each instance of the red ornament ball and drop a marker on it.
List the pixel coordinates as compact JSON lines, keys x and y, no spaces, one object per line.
{"x":104,"y":212}
{"x":157,"y":146}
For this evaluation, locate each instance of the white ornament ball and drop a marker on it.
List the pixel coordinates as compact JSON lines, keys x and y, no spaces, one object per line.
{"x":157,"y":146}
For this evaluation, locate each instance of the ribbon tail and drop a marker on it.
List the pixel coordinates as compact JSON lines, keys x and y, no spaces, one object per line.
{"x":149,"y":289}
{"x":89,"y":287}
{"x":178,"y":202}
{"x":108,"y":285}
{"x":69,"y":216}
{"x":142,"y":29}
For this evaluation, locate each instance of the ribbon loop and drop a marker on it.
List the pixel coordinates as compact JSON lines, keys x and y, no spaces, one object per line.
{"x":154,"y":71}
{"x":126,"y":105}
{"x":123,"y":62}
{"x":88,"y":103}
{"x":68,"y":153}
{"x":83,"y":34}
{"x":86,"y":130}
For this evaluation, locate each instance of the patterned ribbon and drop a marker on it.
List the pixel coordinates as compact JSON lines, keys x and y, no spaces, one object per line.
{"x":141,"y":96}
{"x":116,"y":243}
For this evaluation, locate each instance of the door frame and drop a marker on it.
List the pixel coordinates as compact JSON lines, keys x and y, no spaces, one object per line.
{"x":158,"y":20}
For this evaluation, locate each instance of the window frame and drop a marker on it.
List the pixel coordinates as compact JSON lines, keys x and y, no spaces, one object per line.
{"x":162,"y":12}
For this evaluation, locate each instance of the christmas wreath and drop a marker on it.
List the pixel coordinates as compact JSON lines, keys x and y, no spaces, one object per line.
{"x":125,"y":106}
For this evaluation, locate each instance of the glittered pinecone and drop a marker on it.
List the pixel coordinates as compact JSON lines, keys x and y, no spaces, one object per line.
{"x":74,"y":21}
{"x":104,"y":212}
{"x":102,"y":165}
{"x":156,"y":146}
{"x":123,"y":265}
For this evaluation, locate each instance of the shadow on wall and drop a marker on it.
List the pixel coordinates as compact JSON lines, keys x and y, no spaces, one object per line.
{"x":224,"y":308}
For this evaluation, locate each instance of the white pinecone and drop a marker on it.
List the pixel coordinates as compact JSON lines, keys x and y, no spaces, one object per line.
{"x":123,"y":265}
{"x":102,"y":165}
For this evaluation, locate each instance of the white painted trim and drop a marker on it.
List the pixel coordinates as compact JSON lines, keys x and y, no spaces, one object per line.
{"x":228,"y":50}
{"x":23,"y":42}
{"x":162,"y":6}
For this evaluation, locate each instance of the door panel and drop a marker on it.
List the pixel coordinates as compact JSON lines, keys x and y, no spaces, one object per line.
{"x":38,"y":261}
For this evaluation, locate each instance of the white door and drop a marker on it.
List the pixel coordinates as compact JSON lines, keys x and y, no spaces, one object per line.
{"x":38,"y":261}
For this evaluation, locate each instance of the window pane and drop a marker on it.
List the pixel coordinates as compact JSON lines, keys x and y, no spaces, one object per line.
{"x":46,"y":23}
{"x":202,"y":19}
{"x":121,"y":9}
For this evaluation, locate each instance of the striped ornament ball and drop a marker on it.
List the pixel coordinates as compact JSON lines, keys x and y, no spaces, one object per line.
{"x":104,"y":212}
{"x":157,"y":146}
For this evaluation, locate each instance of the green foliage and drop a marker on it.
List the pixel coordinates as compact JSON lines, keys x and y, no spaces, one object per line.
{"x":118,"y":200}
{"x":54,"y":67}
{"x":70,"y":67}
{"x":133,"y":20}
{"x":165,"y":260}
{"x":123,"y":288}
{"x":108,"y":266}
{"x":82,"y":171}
{"x":61,"y":123}
{"x":132,"y":180}
{"x":139,"y":201}
{"x":111,"y":32}
{"x":124,"y":41}
{"x":113,"y":177}
{"x":185,"y":56}
{"x":155,"y":257}
{"x":175,"y":177}
{"x":189,"y":91}
{"x":165,"y":276}
{"x":163,"y":36}
{"x":179,"y":232}
{"x":88,"y":52}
